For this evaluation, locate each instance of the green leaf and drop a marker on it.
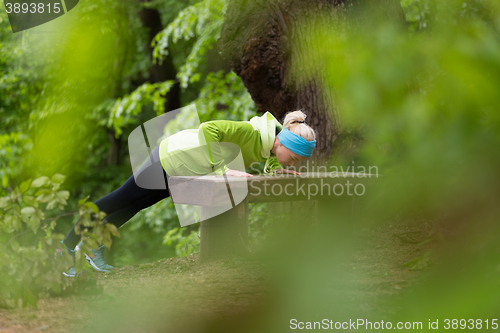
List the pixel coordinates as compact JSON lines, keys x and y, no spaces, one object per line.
{"x":112,"y":229}
{"x":52,"y":204}
{"x":107,"y":241}
{"x":40,"y":214}
{"x":94,"y":236}
{"x":63,"y":195}
{"x":42,"y":191}
{"x":45,"y":197}
{"x":29,"y":298}
{"x":89,"y":243}
{"x":42,"y":181}
{"x":28,"y":211}
{"x":92,"y":206}
{"x":34,"y":223}
{"x":15,"y":246}
{"x":25,"y":186}
{"x":86,"y":221}
{"x":5,"y":181}
{"x":25,"y":218}
{"x":30,"y":200}
{"x":82,"y":201}
{"x":99,"y":232}
{"x":58,"y":178}
{"x":16,"y":222}
{"x":100,"y":216}
{"x":7,"y":224}
{"x":4,"y":202}
{"x":56,"y":287}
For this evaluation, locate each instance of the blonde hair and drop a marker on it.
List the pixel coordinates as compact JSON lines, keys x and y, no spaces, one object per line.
{"x":292,"y":124}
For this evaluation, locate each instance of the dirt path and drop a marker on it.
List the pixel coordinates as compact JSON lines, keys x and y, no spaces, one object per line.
{"x":182,"y":295}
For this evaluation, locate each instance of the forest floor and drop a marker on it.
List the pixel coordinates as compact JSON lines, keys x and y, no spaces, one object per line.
{"x":180,"y":294}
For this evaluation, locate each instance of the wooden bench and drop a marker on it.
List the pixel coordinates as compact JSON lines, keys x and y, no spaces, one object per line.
{"x":226,"y":235}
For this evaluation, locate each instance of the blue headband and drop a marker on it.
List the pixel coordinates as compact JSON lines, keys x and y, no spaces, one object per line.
{"x":296,"y":143}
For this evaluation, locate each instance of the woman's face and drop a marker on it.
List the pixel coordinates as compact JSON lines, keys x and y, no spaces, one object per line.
{"x":287,"y":157}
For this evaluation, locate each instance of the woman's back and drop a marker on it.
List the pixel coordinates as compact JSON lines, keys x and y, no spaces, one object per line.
{"x":188,"y":152}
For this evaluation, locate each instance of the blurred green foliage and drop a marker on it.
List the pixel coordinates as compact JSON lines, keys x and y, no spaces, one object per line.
{"x":201,"y":21}
{"x":424,"y":15}
{"x":125,"y":111}
{"x":12,"y":146}
{"x":184,"y":245}
{"x":28,"y":216}
{"x":70,"y":85}
{"x":430,"y":103}
{"x":73,"y":89}
{"x":427,"y":104}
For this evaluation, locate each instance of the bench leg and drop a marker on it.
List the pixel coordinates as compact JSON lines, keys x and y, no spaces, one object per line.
{"x":225,"y":235}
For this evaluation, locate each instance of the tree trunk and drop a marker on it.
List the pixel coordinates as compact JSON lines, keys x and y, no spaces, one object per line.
{"x":263,"y":39}
{"x":115,"y":144}
{"x":166,"y":71}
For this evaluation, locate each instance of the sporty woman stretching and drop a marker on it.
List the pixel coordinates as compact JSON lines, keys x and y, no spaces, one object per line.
{"x":260,"y":139}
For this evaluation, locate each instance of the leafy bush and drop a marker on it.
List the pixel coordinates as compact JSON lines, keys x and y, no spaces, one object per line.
{"x":184,"y":244}
{"x":142,"y":236}
{"x":28,"y":267}
{"x":259,"y":223}
{"x":222,"y":96}
{"x":203,"y":21}
{"x":12,"y":146}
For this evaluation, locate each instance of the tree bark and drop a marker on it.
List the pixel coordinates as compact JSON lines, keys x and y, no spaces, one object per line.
{"x":263,"y":39}
{"x":115,"y":145}
{"x":151,"y":19}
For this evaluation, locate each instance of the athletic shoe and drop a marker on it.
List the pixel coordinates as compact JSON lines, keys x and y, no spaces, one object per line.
{"x":70,"y":251}
{"x":97,"y":260}
{"x":71,"y":272}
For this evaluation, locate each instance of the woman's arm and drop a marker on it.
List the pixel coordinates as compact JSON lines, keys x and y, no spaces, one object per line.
{"x":237,"y":173}
{"x":215,"y":131}
{"x":208,"y":134}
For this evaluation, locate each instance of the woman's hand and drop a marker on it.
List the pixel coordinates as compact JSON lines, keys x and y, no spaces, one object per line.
{"x":238,"y":173}
{"x":287,"y":171}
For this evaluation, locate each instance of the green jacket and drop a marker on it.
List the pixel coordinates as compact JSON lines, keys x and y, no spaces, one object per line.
{"x":219,"y":145}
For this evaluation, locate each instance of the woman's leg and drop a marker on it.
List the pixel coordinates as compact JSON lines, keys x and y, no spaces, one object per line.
{"x":123,"y":203}
{"x":130,"y":193}
{"x":120,"y":217}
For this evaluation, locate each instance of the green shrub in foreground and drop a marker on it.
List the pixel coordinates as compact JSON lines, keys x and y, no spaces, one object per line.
{"x":28,"y":267}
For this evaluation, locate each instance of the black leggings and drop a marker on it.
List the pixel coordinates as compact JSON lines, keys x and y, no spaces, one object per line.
{"x":122,"y":204}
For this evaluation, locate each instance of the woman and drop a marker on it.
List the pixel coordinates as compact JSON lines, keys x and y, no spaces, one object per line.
{"x":260,"y":139}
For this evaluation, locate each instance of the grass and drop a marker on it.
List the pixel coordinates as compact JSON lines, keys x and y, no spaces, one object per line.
{"x":184,"y":295}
